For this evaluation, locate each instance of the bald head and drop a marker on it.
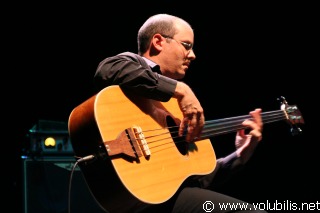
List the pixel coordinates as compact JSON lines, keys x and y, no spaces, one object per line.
{"x":163,"y":24}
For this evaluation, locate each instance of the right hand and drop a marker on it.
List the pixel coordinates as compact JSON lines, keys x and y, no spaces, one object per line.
{"x":193,"y":115}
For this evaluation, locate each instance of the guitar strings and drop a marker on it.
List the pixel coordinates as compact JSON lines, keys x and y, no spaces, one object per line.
{"x":223,"y":126}
{"x":213,"y":127}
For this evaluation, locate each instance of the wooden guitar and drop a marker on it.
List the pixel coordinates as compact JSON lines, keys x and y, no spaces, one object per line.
{"x":139,"y":157}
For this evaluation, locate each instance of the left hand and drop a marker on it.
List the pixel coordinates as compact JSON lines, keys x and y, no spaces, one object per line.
{"x":246,"y":143}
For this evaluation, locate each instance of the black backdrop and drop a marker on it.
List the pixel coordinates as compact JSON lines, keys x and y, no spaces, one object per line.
{"x":247,"y":56}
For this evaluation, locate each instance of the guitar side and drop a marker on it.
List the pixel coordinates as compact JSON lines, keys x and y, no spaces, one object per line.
{"x":99,"y":174}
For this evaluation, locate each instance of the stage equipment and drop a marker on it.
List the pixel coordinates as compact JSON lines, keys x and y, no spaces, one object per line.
{"x":48,"y":138}
{"x":46,"y":187}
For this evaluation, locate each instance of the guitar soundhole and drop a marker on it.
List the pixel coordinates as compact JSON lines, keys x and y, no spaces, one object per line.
{"x":180,"y":142}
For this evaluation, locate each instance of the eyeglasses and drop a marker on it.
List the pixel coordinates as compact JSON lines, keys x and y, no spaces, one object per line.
{"x":187,"y":46}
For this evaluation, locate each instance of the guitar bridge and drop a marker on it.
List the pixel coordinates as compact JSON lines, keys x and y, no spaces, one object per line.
{"x":125,"y":144}
{"x":139,"y":136}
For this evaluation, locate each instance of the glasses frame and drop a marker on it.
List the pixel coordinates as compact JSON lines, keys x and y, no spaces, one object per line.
{"x":187,"y":46}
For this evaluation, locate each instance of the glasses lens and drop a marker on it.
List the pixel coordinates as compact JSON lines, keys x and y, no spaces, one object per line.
{"x":187,"y":46}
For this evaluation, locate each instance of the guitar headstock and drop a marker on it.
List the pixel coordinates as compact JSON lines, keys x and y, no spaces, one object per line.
{"x":294,"y":116}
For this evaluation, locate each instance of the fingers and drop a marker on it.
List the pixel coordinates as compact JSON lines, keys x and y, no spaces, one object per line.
{"x":255,"y":124}
{"x":256,"y":114}
{"x":193,"y":122}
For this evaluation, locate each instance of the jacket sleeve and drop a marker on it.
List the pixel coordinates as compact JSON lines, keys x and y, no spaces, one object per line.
{"x":131,"y":72}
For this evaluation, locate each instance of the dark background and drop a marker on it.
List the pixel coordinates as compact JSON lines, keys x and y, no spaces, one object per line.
{"x":247,"y":57}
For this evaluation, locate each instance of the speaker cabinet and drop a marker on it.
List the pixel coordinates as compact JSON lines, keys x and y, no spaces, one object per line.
{"x":46,"y":187}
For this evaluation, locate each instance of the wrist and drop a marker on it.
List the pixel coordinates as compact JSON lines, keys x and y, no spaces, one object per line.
{"x":181,"y":90}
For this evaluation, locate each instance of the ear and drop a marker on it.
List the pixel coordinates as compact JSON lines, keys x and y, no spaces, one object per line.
{"x":157,"y":42}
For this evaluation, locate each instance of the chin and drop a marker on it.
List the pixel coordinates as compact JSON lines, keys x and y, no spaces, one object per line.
{"x":180,"y":75}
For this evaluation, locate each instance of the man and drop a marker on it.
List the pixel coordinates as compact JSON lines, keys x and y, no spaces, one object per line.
{"x":165,"y":52}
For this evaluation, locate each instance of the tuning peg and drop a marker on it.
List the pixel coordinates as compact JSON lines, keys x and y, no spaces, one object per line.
{"x":296,"y":130}
{"x":282,"y":100}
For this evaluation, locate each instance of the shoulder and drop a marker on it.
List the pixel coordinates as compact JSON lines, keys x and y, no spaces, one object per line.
{"x":134,"y":57}
{"x":124,"y":57}
{"x":130,"y":55}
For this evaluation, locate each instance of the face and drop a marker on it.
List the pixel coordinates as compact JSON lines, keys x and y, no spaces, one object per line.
{"x":177,"y":53}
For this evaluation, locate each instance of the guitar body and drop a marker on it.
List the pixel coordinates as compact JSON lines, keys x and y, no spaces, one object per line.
{"x":123,"y":177}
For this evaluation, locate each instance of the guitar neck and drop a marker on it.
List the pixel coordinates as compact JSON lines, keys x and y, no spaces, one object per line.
{"x":233,"y":124}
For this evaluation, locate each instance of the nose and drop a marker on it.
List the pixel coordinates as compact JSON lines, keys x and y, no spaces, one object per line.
{"x":191,"y":55}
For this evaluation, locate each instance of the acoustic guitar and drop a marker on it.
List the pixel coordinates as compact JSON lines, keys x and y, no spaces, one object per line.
{"x":138,"y":156}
